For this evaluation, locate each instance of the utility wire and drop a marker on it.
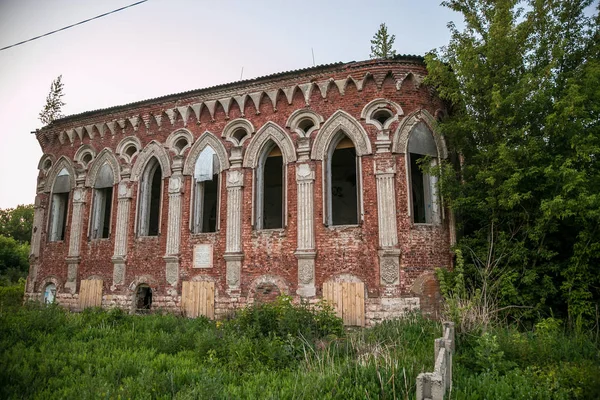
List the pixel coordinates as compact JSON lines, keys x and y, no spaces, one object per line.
{"x":70,"y":26}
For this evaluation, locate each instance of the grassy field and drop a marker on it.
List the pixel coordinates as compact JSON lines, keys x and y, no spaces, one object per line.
{"x":275,"y":351}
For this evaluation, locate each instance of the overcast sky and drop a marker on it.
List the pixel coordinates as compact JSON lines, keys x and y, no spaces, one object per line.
{"x":169,"y":46}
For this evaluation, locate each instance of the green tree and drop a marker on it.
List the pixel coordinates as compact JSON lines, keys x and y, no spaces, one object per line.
{"x":17,"y":222}
{"x":523,"y":83}
{"x":14,"y":262}
{"x":53,"y":108}
{"x":381,"y":44}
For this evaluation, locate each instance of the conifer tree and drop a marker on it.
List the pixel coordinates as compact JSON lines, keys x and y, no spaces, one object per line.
{"x":53,"y":108}
{"x":381,"y":44}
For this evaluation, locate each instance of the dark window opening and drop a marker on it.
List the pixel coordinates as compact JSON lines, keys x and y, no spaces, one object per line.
{"x":382,"y":116}
{"x":273,"y":191}
{"x":208,"y":195}
{"x":239,"y":134}
{"x":102,"y":210}
{"x":343,"y":189}
{"x":417,"y":188}
{"x":143,"y":299}
{"x":154,"y":208}
{"x":181,"y":143}
{"x":130,"y":151}
{"x":306,"y":124}
{"x":86,"y":158}
{"x":58,"y":219}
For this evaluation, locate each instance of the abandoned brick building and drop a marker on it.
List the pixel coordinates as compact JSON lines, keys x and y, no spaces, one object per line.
{"x":306,"y":183}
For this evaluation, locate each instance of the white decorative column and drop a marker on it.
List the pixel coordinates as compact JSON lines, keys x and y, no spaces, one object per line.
{"x":124,"y":195}
{"x":233,"y":247}
{"x":305,"y":253}
{"x":73,"y":258}
{"x":174,"y":222}
{"x":36,"y":239}
{"x":389,"y":254}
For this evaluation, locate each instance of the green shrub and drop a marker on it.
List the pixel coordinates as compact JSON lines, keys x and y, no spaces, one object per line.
{"x":11,"y":297}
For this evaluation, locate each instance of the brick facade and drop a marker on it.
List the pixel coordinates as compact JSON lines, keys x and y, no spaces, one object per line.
{"x":395,"y":261}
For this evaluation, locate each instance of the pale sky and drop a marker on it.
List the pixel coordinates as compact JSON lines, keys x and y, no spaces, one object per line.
{"x":169,"y":46}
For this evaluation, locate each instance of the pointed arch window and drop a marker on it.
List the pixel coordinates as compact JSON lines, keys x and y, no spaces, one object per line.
{"x":102,"y":203}
{"x":342,"y":183}
{"x":150,"y":199}
{"x":59,"y":206}
{"x":269,"y":189}
{"x":423,"y":187}
{"x":206,"y":192}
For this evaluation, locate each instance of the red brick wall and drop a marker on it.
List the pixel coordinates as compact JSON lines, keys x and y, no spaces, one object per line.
{"x":340,"y":250}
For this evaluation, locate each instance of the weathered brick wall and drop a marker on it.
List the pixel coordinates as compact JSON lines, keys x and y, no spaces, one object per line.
{"x":341,"y":251}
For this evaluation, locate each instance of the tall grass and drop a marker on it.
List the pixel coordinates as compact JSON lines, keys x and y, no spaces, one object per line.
{"x":47,"y":352}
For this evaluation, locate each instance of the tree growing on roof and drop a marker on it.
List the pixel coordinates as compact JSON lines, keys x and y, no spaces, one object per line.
{"x":53,"y":108}
{"x":381,"y":44}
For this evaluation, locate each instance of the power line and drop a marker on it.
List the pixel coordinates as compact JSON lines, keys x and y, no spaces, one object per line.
{"x":70,"y":26}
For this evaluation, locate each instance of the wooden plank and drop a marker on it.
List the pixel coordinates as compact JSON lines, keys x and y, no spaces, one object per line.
{"x":361,"y":303}
{"x":352,"y":303}
{"x":337,"y":299}
{"x":202,"y":298}
{"x":194,"y":300}
{"x":345,"y":303}
{"x":98,"y":293}
{"x":185,"y":288}
{"x":211,"y":301}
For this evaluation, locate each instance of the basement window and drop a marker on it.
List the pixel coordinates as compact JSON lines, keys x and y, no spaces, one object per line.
{"x":341,"y":168}
{"x":150,"y":199}
{"x":206,"y":192}
{"x":50,"y":293}
{"x":143,"y":299}
{"x":59,"y":206}
{"x":102,"y":203}
{"x":423,"y":187}
{"x":269,"y":188}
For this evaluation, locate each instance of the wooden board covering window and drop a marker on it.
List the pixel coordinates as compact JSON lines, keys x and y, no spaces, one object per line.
{"x":198,"y":298}
{"x":90,"y":293}
{"x":348,"y":301}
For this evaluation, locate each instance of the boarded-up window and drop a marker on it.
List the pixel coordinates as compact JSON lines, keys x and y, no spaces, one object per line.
{"x":348,"y":301}
{"x":198,"y":298}
{"x":90,"y":293}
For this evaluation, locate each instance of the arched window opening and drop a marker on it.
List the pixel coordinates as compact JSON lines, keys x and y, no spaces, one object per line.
{"x":206,"y":191}
{"x":60,"y":206}
{"x":87,"y":157}
{"x":423,"y":190}
{"x":130,"y":151}
{"x":150,"y":196}
{"x":102,"y":202}
{"x":50,"y":293}
{"x":382,"y":115}
{"x":342,"y":183}
{"x":270,"y":188}
{"x":180,"y":144}
{"x":47,"y":165}
{"x":143,"y":298}
{"x":239,"y":134}
{"x":306,"y":124}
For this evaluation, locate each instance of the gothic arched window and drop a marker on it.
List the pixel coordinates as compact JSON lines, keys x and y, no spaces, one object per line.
{"x":102,"y":202}
{"x":423,"y":189}
{"x":206,"y":191}
{"x":150,"y":199}
{"x":269,"y":188}
{"x":59,"y":206}
{"x":342,"y":183}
